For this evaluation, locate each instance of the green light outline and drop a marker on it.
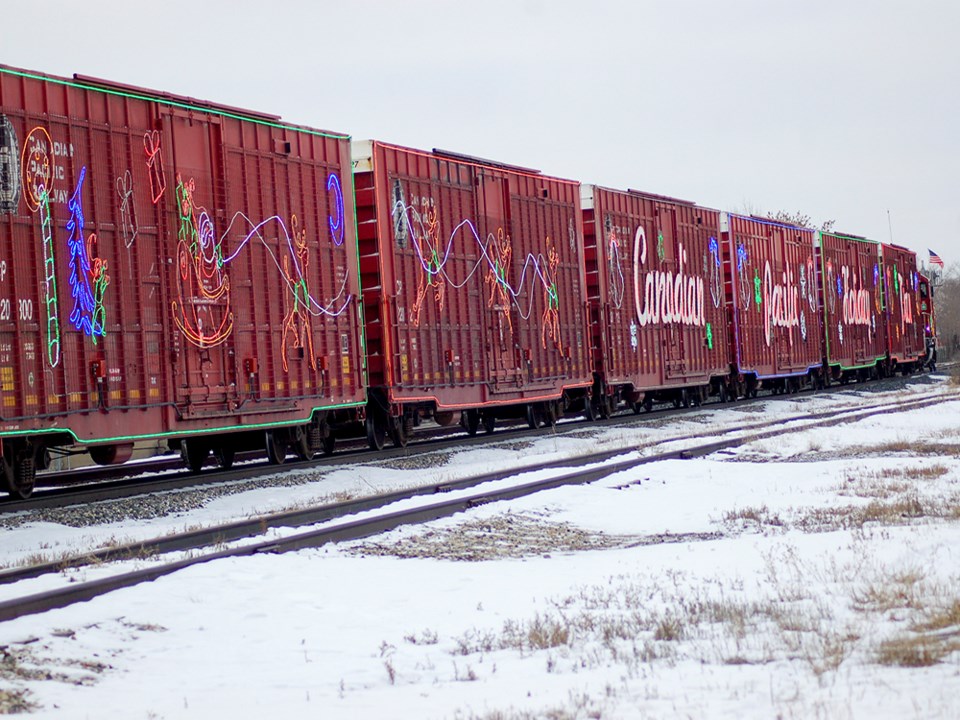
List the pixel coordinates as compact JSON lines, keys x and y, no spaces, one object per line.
{"x":223,"y":112}
{"x":174,"y":433}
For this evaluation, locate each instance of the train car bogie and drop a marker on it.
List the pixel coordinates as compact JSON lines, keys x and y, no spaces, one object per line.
{"x":194,"y":452}
{"x":19,"y":467}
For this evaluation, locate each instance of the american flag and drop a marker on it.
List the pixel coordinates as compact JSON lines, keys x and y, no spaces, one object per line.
{"x":934,"y":258}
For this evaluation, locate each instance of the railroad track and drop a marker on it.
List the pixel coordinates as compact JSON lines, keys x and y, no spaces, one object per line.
{"x":380,"y":522}
{"x":177,"y":477}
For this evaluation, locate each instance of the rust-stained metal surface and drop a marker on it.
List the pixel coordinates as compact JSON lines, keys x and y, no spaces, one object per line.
{"x":656,"y":279}
{"x":169,"y":268}
{"x":473,"y":280}
{"x":772,"y":297}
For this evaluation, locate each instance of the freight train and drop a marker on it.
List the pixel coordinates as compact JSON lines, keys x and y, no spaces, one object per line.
{"x":172,"y":269}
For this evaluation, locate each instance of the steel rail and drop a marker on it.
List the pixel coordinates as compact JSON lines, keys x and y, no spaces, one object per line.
{"x":358,"y":529}
{"x":180,"y":479}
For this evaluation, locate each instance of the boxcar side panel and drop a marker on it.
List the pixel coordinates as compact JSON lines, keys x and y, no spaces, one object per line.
{"x":854,"y":328}
{"x":659,"y":296}
{"x":773,"y":297}
{"x":483,"y":299}
{"x":166,"y":268}
{"x":905,"y":335}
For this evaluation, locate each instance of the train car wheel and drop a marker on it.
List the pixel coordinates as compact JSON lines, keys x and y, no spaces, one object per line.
{"x":376,"y":432}
{"x":328,"y":444}
{"x":224,"y":456}
{"x":533,"y":420}
{"x":24,"y":476}
{"x":648,"y":404}
{"x":609,"y":406}
{"x":550,"y":414}
{"x":399,"y":432}
{"x":301,"y":443}
{"x":276,"y":447}
{"x":589,"y":411}
{"x":489,"y":423}
{"x":19,"y":471}
{"x":194,"y":453}
{"x":471,"y":421}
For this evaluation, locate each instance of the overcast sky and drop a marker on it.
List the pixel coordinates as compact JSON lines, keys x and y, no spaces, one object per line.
{"x":840,"y":110}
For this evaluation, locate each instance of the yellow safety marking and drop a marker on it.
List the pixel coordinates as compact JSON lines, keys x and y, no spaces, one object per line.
{"x":75,"y":397}
{"x":134,"y":394}
{"x":52,"y":399}
{"x":32,"y":400}
{"x":9,"y":402}
{"x":281,"y":385}
{"x":294,"y":385}
{"x":264,"y":387}
{"x":115,"y":394}
{"x":153,"y":392}
{"x":345,"y":364}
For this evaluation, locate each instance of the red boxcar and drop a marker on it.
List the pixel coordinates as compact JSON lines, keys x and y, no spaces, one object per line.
{"x":902,"y":300}
{"x":855,"y":332}
{"x":474,"y":293}
{"x":655,"y":280}
{"x":169,"y":268}
{"x":772,"y":297}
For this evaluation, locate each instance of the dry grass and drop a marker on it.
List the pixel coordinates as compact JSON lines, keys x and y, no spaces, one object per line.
{"x":889,"y":482}
{"x":541,"y":633}
{"x":427,"y":637}
{"x":900,"y":447}
{"x":955,"y":375}
{"x":895,"y":511}
{"x":505,"y":536}
{"x":903,"y":589}
{"x":579,"y":706}
{"x":941,"y":618}
{"x":15,"y":702}
{"x":914,"y":651}
{"x":757,"y":515}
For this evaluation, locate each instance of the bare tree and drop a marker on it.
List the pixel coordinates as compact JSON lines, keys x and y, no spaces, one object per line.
{"x":800,"y":220}
{"x":946,"y":303}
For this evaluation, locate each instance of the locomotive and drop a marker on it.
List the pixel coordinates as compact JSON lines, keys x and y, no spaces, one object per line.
{"x":211,"y":277}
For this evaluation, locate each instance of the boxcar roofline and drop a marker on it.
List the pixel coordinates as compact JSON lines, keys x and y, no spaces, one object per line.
{"x":107,"y":87}
{"x":364,"y":149}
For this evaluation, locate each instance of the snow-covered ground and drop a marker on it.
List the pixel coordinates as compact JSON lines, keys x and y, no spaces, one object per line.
{"x":813,"y":575}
